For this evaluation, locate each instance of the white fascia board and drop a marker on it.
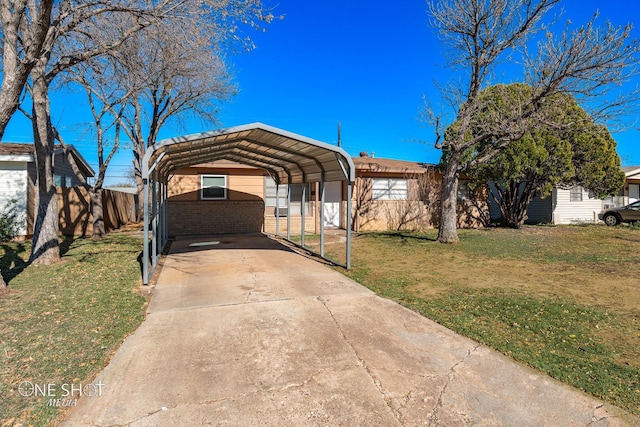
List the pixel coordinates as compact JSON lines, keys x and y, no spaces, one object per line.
{"x":16,"y":158}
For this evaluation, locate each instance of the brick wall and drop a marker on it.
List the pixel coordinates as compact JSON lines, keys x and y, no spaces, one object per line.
{"x":215,"y":217}
{"x":296,"y":224}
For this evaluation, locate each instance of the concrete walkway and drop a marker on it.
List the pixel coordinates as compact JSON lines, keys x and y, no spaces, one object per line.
{"x":242,"y":331}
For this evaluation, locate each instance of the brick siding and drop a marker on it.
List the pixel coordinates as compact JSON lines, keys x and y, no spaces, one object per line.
{"x":215,"y":217}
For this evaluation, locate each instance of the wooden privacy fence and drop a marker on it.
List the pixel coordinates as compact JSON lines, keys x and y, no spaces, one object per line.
{"x":74,"y":206}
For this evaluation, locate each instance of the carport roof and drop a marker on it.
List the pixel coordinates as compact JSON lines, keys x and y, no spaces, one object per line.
{"x":288,"y":157}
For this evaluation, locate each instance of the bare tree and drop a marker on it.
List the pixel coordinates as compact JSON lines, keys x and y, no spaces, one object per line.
{"x":75,"y":34}
{"x":178,"y":69}
{"x":78,"y":31}
{"x":174,"y":71}
{"x":25,"y":27}
{"x":480,"y":34}
{"x":106,"y":102}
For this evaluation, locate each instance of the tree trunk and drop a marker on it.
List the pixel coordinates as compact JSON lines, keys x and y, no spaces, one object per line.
{"x":45,"y":249}
{"x":18,"y":29}
{"x":514,"y":203}
{"x":10,"y":98}
{"x":138,"y":155}
{"x":97,"y":212}
{"x":448,"y":230}
{"x":3,"y":285}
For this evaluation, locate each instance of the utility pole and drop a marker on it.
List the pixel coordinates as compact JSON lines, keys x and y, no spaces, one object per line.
{"x":339,"y":142}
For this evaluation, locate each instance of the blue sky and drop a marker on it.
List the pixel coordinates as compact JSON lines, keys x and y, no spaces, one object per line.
{"x":365,"y":64}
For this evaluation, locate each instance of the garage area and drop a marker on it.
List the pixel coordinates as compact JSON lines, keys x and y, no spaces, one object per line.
{"x":289,"y":159}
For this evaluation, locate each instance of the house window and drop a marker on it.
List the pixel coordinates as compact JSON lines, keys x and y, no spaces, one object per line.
{"x":213,"y":187}
{"x":67,"y":181}
{"x":575,"y":194}
{"x":296,"y":196}
{"x":389,"y":189}
{"x":463,"y":190}
{"x":58,"y":180}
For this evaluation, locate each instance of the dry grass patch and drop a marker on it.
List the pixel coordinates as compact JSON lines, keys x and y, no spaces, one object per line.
{"x":565,"y":300}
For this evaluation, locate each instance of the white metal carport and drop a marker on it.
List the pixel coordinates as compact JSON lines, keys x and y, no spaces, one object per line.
{"x":289,"y":159}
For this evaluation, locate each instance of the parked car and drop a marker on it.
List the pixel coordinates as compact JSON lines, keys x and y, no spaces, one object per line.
{"x":615,"y":216}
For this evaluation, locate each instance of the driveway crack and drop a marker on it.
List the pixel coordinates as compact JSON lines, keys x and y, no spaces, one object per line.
{"x":451,"y":375}
{"x":282,"y":388}
{"x":254,"y":283}
{"x":361,"y":362}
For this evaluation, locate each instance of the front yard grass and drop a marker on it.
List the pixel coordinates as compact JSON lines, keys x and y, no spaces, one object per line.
{"x":564,"y":300}
{"x":60,"y":324}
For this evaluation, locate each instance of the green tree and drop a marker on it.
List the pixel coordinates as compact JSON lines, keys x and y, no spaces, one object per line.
{"x":568,"y":149}
{"x":477,"y":36}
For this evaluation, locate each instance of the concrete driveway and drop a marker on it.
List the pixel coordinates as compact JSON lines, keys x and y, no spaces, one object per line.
{"x":241,"y":331}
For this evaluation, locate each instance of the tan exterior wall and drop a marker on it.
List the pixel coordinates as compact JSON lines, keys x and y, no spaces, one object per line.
{"x":412,"y":214}
{"x":242,"y":184}
{"x":188,"y":214}
{"x":296,"y":224}
{"x":242,"y":211}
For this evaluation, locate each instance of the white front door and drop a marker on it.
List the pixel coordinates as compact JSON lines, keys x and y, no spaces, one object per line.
{"x":634,"y":192}
{"x":332,"y":199}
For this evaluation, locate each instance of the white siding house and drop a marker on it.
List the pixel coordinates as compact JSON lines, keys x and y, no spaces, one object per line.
{"x":18,"y":177}
{"x":576,"y":205}
{"x":563,"y":206}
{"x":13,"y":186}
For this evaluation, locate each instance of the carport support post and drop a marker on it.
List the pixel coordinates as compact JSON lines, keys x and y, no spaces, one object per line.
{"x":154,"y":221}
{"x":302,"y":210}
{"x":322,"y":216}
{"x":288,"y":211}
{"x":145,"y":248}
{"x":166,"y":212}
{"x":348,"y":227}
{"x":160,"y":216}
{"x":277,"y":208}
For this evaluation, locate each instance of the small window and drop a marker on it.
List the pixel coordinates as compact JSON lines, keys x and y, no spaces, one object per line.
{"x":67,"y":182}
{"x":389,"y":189}
{"x":575,"y":194}
{"x":213,"y":187}
{"x":57,"y":180}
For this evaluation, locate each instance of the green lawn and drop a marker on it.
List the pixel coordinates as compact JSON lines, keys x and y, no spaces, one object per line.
{"x":60,"y":324}
{"x":564,"y":300}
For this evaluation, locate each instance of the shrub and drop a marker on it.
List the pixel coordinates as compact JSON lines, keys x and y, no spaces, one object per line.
{"x":9,"y":221}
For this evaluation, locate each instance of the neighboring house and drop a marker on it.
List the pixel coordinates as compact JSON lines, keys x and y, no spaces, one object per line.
{"x":228,"y":197}
{"x":629,"y":193}
{"x":577,"y":205}
{"x":18,"y":178}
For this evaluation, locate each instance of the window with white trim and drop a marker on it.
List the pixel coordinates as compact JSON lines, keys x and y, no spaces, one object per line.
{"x":213,"y":187}
{"x":389,"y":189}
{"x":575,"y":194}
